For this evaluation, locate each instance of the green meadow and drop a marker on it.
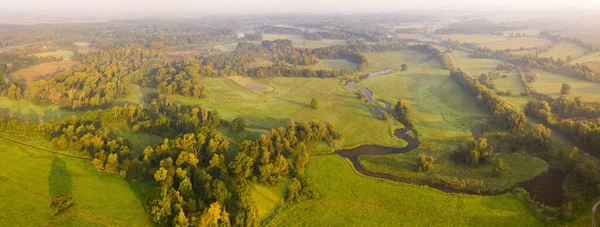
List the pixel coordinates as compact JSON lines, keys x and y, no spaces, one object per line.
{"x":518,"y":43}
{"x":350,"y":199}
{"x":563,"y":50}
{"x":290,"y":100}
{"x":550,"y":83}
{"x":30,"y":177}
{"x":300,"y":42}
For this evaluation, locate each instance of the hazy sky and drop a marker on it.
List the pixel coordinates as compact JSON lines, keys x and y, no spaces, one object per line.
{"x":204,"y":7}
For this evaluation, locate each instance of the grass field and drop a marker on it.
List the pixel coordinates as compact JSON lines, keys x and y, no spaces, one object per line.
{"x":327,"y":64}
{"x":392,"y":60}
{"x":562,"y":50}
{"x":300,"y":42}
{"x":30,"y":177}
{"x":37,"y":71}
{"x":593,"y":57}
{"x":550,"y":83}
{"x":349,"y":199}
{"x":24,"y":110}
{"x":443,"y":114}
{"x":65,"y":54}
{"x":517,"y":43}
{"x":250,"y":83}
{"x":417,"y":37}
{"x":524,"y":52}
{"x":260,"y":63}
{"x":290,"y":101}
{"x":473,"y":38}
{"x":269,"y":198}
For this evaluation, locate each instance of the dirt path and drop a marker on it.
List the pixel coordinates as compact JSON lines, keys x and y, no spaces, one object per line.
{"x":43,"y":149}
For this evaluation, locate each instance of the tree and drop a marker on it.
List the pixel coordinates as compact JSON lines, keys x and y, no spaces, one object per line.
{"x":404,"y":67}
{"x":565,"y":89}
{"x":238,"y":124}
{"x":314,"y":103}
{"x":499,"y":167}
{"x":540,"y":138}
{"x":424,"y":163}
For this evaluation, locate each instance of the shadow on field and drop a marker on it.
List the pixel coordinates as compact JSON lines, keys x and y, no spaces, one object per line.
{"x":294,"y":102}
{"x":60,"y":181}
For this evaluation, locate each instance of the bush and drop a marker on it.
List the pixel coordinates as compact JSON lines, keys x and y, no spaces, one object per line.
{"x":60,"y":204}
{"x":425,"y":163}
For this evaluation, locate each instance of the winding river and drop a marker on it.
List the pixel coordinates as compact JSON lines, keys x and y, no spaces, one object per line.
{"x":546,"y":187}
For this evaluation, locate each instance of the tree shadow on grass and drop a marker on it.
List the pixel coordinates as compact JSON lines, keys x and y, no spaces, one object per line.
{"x":60,"y":181}
{"x":306,"y":105}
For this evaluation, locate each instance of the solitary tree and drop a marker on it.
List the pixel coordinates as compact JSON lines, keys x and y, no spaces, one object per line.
{"x":404,"y":67}
{"x":238,"y":124}
{"x":424,"y":163}
{"x":314,"y":103}
{"x":565,"y":89}
{"x":499,"y":166}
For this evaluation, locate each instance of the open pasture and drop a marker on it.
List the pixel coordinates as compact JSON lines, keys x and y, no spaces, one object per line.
{"x":563,"y":50}
{"x":32,"y":177}
{"x":550,"y":83}
{"x":518,"y":43}
{"x":300,"y":42}
{"x":349,"y":199}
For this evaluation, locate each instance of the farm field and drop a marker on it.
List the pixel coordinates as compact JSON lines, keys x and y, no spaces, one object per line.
{"x":351,"y":199}
{"x":300,"y":42}
{"x":287,"y":102}
{"x":477,"y":39}
{"x":593,"y":57}
{"x":327,"y":64}
{"x":518,"y":43}
{"x":392,"y":60}
{"x":550,"y":83}
{"x":31,"y":176}
{"x":35,"y":72}
{"x":563,"y":50}
{"x":418,"y":37}
{"x":25,"y":110}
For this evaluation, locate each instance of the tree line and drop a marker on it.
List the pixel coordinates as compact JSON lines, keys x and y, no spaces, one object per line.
{"x":502,"y":115}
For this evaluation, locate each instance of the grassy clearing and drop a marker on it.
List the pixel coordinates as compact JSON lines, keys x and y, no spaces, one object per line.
{"x":418,"y":37}
{"x":517,"y":43}
{"x":29,"y":176}
{"x":65,"y":54}
{"x":250,"y":83}
{"x":593,"y":57}
{"x":136,"y":95}
{"x":37,"y":71}
{"x":300,"y":42}
{"x":24,"y":110}
{"x":472,"y":38}
{"x":550,"y":83}
{"x":563,"y":50}
{"x":525,"y":52}
{"x":226,"y":47}
{"x":439,"y":107}
{"x":327,"y":64}
{"x":349,"y":199}
{"x":519,"y":167}
{"x":477,"y":66}
{"x":392,"y":60}
{"x":139,"y":141}
{"x":269,"y":198}
{"x":291,"y":101}
{"x":260,"y":63}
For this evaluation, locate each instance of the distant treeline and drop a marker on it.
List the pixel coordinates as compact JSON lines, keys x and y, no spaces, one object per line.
{"x":557,"y":66}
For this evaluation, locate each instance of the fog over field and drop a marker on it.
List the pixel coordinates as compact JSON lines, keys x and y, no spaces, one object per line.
{"x":206,"y":7}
